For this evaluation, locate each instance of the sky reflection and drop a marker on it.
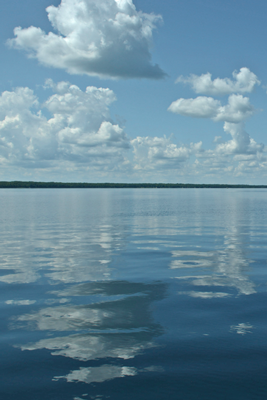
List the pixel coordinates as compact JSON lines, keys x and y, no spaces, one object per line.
{"x":98,"y":374}
{"x":119,"y":327}
{"x":97,"y":287}
{"x":242,"y":328}
{"x":226,"y":267}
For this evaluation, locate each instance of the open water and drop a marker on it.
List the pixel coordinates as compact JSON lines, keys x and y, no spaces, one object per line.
{"x":133,"y":294}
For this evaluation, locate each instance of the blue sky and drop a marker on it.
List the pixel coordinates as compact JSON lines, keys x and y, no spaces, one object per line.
{"x":133,"y":91}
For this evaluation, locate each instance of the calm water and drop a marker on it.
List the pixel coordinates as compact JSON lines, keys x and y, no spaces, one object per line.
{"x":133,"y":294}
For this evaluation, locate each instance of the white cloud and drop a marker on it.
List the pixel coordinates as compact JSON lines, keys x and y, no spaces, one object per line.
{"x":238,"y":156}
{"x":105,"y":38}
{"x":201,"y":107}
{"x":206,"y":295}
{"x":72,"y":132}
{"x":237,"y":109}
{"x":20,"y":125}
{"x":241,"y":142}
{"x":244,"y":81}
{"x":160,"y":153}
{"x":79,"y":131}
{"x":241,"y":154}
{"x":20,"y":302}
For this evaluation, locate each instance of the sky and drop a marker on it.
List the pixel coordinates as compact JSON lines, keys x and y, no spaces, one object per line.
{"x":133,"y":91}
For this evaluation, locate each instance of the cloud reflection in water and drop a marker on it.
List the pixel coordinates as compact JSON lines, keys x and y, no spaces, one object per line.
{"x":226,"y":268}
{"x":242,"y":328}
{"x":117,"y":329}
{"x":98,"y":374}
{"x":100,"y":323}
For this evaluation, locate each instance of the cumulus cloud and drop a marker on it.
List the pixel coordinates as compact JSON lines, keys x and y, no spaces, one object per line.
{"x":72,"y":131}
{"x":105,"y":38}
{"x":241,"y":142}
{"x":80,"y":129}
{"x":244,"y":81}
{"x":201,"y":107}
{"x":237,"y":109}
{"x":161,"y":153}
{"x":224,"y":164}
{"x":239,"y":155}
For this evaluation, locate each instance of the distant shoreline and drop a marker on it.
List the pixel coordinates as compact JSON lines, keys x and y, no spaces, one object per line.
{"x":84,"y":185}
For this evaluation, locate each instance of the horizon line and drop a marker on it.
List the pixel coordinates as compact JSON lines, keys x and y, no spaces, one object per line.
{"x":99,"y":185}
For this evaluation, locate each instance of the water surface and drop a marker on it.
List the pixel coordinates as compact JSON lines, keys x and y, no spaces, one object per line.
{"x":133,"y":294}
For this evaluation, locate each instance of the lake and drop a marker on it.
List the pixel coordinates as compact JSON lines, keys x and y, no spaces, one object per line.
{"x":133,"y":294}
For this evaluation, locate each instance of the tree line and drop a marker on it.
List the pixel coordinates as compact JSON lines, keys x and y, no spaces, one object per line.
{"x":107,"y":185}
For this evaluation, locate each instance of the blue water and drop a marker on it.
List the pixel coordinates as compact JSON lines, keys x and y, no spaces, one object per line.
{"x":133,"y":294}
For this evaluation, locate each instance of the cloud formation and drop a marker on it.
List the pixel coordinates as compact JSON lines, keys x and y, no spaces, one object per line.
{"x":239,"y":155}
{"x":80,"y":129}
{"x":105,"y":38}
{"x":241,"y":142}
{"x":244,"y":81}
{"x":160,"y":153}
{"x":73,"y":131}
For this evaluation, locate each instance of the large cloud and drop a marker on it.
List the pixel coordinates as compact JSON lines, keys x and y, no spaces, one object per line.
{"x":79,"y":131}
{"x":106,"y":38}
{"x":244,"y":81}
